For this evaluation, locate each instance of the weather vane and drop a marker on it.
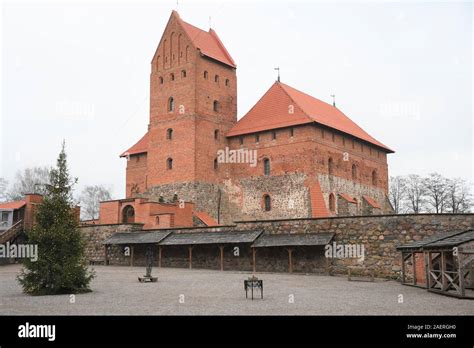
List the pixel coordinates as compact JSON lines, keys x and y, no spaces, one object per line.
{"x":278,"y":69}
{"x":333,"y":99}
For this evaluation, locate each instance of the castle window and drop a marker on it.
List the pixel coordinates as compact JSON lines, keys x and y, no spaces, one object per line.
{"x":161,"y":80}
{"x":206,"y":74}
{"x":216,"y":79}
{"x":353,"y":144}
{"x":354,"y":172}
{"x":172,"y":77}
{"x":216,"y":164}
{"x":257,"y":138}
{"x":374,"y":177}
{"x":171,"y":104}
{"x":227,"y":82}
{"x":332,"y":203}
{"x":216,"y":106}
{"x":274,"y":135}
{"x":343,"y":141}
{"x":216,"y":134}
{"x":266,"y":166}
{"x":333,"y":136}
{"x":330,"y":166}
{"x":128,"y":214}
{"x":169,"y":134}
{"x":241,"y":140}
{"x":292,"y":132}
{"x":267,"y":202}
{"x":169,"y":163}
{"x":183,"y":73}
{"x":157,"y":220}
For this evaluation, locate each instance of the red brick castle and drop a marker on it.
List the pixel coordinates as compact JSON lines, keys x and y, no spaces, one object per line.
{"x":311,"y":159}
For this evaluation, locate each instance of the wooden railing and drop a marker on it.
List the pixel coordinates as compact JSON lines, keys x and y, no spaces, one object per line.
{"x":12,"y":232}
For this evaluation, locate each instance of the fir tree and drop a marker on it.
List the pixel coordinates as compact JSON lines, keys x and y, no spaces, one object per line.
{"x":61,"y":266}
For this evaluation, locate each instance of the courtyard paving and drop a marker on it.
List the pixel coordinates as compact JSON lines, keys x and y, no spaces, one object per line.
{"x":116,"y":291}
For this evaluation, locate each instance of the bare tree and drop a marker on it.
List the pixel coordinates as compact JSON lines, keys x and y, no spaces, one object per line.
{"x":415,"y":193}
{"x":3,"y":189}
{"x":458,"y":196}
{"x":30,"y":180}
{"x":397,"y":193}
{"x":90,"y":198}
{"x":436,"y":189}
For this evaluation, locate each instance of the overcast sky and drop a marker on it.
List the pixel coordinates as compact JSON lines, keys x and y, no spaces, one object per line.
{"x":80,"y":72}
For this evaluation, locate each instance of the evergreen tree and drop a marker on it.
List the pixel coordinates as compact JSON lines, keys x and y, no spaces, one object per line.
{"x":60,"y":267}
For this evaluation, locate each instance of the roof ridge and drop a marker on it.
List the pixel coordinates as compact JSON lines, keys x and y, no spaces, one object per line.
{"x":221,"y":45}
{"x":282,"y":85}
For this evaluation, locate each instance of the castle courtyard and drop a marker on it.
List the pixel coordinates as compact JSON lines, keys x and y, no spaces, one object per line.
{"x":116,"y":291}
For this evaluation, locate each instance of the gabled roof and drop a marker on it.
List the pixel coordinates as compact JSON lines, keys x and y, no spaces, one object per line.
{"x":12,"y":205}
{"x":140,"y":147}
{"x":272,"y":111}
{"x":208,"y":43}
{"x":205,"y":218}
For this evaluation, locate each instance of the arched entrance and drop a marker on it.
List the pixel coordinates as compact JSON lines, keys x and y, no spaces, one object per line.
{"x":128,"y":214}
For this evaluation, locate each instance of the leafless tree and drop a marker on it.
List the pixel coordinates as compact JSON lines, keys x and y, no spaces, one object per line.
{"x":3,"y":189}
{"x":436,"y":189}
{"x":397,"y":193}
{"x":458,"y":196}
{"x":30,"y":180}
{"x":90,"y":198}
{"x":415,"y":193}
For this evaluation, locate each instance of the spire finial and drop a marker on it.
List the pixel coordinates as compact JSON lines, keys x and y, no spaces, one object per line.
{"x":177,"y":5}
{"x":210,"y":18}
{"x":333,"y":100}
{"x":278,"y":69}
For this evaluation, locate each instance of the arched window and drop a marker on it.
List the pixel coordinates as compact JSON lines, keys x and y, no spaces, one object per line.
{"x":257,"y":138}
{"x":216,"y":134}
{"x":216,"y":79}
{"x":216,"y":106}
{"x":374,"y":177}
{"x":241,"y":140}
{"x":183,"y":73}
{"x":292,"y":132}
{"x":169,"y":163}
{"x":169,"y":133}
{"x":216,"y":164}
{"x":266,"y":166}
{"x":171,"y":104}
{"x":161,"y":80}
{"x":206,"y":75}
{"x":330,"y":166}
{"x":274,"y":135}
{"x":172,"y":77}
{"x":332,"y":202}
{"x":267,"y":202}
{"x":128,"y":214}
{"x":227,"y":82}
{"x":354,"y":172}
{"x":157,"y":220}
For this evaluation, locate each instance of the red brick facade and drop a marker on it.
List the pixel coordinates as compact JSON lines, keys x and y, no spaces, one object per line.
{"x":193,"y":114}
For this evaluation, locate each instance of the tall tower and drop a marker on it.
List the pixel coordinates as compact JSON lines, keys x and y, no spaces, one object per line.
{"x":193,"y":103}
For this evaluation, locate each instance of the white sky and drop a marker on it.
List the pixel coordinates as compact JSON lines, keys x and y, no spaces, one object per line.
{"x":80,"y":72}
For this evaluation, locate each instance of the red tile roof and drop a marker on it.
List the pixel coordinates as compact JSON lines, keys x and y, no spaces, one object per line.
{"x":372,"y":202}
{"x":205,"y":218}
{"x":140,"y":147}
{"x":348,"y":198}
{"x":318,"y":206}
{"x":207,"y":42}
{"x":12,"y":205}
{"x":272,"y":111}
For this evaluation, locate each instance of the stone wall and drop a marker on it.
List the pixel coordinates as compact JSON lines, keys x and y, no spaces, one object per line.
{"x":380,"y":236}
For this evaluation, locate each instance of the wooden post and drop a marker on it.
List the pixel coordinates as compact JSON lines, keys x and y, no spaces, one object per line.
{"x":403,"y":267}
{"x":462,"y":290}
{"x":106,"y":261}
{"x":414,"y":268}
{"x":290,"y":260}
{"x":159,"y":256}
{"x":190,"y":249}
{"x":430,"y":268}
{"x":254,"y":258}
{"x":221,"y":247}
{"x":443,"y":270}
{"x":427,"y":273}
{"x":131,"y":255}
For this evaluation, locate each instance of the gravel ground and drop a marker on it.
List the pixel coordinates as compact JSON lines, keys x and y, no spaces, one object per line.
{"x":116,"y":291}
